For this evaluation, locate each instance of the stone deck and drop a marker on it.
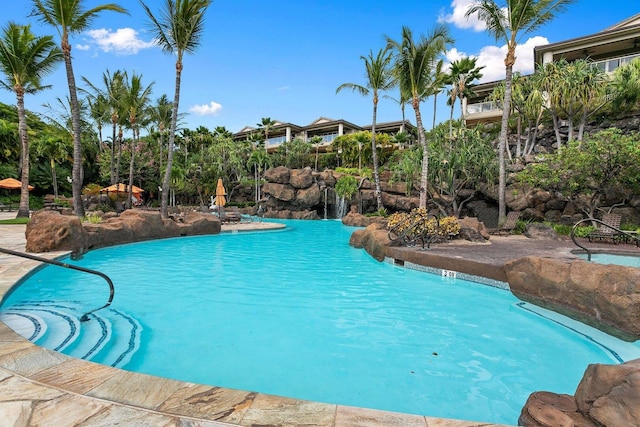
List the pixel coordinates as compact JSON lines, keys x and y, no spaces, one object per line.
{"x":42,"y":387}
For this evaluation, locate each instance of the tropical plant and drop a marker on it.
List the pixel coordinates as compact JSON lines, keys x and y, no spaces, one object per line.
{"x":112,"y":95}
{"x":178,"y":31}
{"x":266,"y":125}
{"x":462,"y":73}
{"x":24,"y":60}
{"x":604,"y":162}
{"x":136,"y":99}
{"x":509,"y":23}
{"x":626,"y":81}
{"x":346,"y":186}
{"x":55,"y":148}
{"x":379,"y":78}
{"x":414,"y":62}
{"x":71,"y":17}
{"x":458,"y":166}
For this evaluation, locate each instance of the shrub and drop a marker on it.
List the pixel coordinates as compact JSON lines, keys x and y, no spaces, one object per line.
{"x":446,"y":226}
{"x":346,"y":186}
{"x":93,"y":218}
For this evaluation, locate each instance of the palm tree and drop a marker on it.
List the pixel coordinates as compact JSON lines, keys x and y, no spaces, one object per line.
{"x":509,"y":24}
{"x":24,"y":60}
{"x":54,"y":147}
{"x":135,"y":100}
{"x":179,"y":31}
{"x":462,"y":74}
{"x":112,"y":94}
{"x":379,"y":78}
{"x":266,"y":125}
{"x":70,"y":17}
{"x":413,"y":68}
{"x":160,"y":114}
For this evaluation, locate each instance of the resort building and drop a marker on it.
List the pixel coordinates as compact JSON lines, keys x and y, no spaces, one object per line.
{"x":608,"y":49}
{"x":326,"y":128}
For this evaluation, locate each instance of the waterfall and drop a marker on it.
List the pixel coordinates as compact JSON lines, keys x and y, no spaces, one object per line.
{"x":326,"y":202}
{"x":341,"y":206}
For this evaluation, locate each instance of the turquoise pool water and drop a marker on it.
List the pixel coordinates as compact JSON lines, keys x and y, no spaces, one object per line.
{"x":626,"y":260}
{"x":300,"y":313}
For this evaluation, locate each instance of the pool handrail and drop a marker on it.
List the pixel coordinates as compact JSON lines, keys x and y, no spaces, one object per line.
{"x":602,"y":223}
{"x":85,"y":316}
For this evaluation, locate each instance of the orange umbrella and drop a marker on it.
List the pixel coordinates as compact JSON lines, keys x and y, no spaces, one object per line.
{"x":12,"y":184}
{"x":220,"y":193}
{"x":122,"y":188}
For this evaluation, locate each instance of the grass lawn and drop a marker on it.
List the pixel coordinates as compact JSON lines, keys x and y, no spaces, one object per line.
{"x":14,"y":221}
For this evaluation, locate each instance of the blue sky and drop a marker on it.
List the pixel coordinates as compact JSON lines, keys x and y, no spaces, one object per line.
{"x":284,"y":59}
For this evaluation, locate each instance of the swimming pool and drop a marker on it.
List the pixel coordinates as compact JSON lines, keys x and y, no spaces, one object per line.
{"x":299,"y":313}
{"x":618,"y":259}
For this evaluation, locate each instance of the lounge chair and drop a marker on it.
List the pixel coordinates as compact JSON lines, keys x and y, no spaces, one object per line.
{"x":606,"y":232}
{"x":229,"y":215}
{"x":509,"y":224}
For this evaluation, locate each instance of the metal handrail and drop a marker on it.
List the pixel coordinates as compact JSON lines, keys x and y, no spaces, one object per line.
{"x":592,"y":220}
{"x":85,"y":316}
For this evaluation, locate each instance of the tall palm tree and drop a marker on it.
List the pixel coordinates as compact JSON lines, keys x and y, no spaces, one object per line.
{"x":54,"y":147}
{"x":135,"y":100}
{"x":113,"y":93}
{"x":178,"y":31}
{"x":160,"y":114}
{"x":71,"y":17}
{"x":462,"y":74}
{"x":509,"y":23}
{"x":266,"y":125}
{"x":414,"y":61}
{"x":379,"y":78}
{"x":24,"y":60}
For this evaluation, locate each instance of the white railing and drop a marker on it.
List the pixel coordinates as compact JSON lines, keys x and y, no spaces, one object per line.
{"x":482,"y":107}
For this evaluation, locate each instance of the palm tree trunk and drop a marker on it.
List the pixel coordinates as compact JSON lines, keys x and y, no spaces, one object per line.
{"x":76,"y":185}
{"x":113,"y":155}
{"x":23,"y":209}
{"x":172,"y":138}
{"x":502,"y":145}
{"x":131,"y":163}
{"x":424,"y":174}
{"x":374,"y":155}
{"x":54,"y":177}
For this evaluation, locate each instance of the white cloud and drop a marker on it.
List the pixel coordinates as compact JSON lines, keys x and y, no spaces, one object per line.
{"x":283,"y":88}
{"x":492,"y":57}
{"x":457,"y":16}
{"x":211,"y":109}
{"x":123,"y":41}
{"x":83,"y":47}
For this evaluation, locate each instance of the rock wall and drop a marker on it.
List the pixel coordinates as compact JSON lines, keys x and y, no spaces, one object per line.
{"x":607,"y":395}
{"x":50,"y":231}
{"x":604,"y":296}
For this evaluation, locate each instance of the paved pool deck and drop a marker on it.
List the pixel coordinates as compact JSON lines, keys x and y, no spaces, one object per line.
{"x":40,"y":387}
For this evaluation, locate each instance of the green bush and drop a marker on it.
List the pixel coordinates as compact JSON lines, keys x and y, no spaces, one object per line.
{"x":346,"y":186}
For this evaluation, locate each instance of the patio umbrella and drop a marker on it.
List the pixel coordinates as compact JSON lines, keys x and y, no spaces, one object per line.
{"x":12,"y":184}
{"x":220,"y":194}
{"x":123,"y":188}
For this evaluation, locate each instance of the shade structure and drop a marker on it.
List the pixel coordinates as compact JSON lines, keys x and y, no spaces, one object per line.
{"x":136,"y":192}
{"x":12,"y":184}
{"x":220,"y":194}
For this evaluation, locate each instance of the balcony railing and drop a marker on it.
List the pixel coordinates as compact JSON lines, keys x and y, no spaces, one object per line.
{"x":482,"y":107}
{"x":610,"y":65}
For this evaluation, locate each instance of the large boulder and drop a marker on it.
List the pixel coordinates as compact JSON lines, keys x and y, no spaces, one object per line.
{"x":354,"y":219}
{"x":607,"y":395}
{"x":279,"y":191}
{"x":473,"y":230}
{"x":307,"y":197}
{"x":605,"y":296}
{"x":49,"y":231}
{"x":278,"y":175}
{"x":374,"y":239}
{"x":301,"y":178}
{"x":610,"y":394}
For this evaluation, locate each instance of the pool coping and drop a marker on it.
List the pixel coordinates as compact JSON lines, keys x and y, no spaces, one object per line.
{"x":37,"y":384}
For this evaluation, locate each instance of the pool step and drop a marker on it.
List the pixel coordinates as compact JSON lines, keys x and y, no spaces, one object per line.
{"x":110,"y":337}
